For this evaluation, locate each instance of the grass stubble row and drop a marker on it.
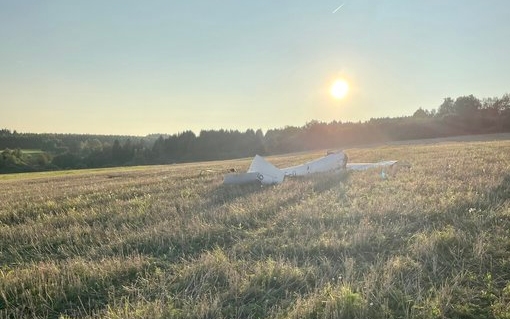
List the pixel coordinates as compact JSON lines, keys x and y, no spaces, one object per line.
{"x":431,"y":241}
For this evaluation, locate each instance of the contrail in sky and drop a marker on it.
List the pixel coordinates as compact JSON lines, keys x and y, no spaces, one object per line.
{"x":338,"y":8}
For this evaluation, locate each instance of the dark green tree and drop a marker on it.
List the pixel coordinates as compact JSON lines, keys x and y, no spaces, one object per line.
{"x":117,"y":153}
{"x":420,"y":113}
{"x":467,"y":106}
{"x":446,"y":108}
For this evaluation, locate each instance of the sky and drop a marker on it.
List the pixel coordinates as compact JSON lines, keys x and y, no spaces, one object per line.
{"x":147,"y":67}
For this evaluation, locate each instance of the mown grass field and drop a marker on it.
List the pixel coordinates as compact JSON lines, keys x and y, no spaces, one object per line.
{"x":432,"y":241}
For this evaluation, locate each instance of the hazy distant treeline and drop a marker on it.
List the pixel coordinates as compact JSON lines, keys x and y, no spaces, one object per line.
{"x":33,"y":152}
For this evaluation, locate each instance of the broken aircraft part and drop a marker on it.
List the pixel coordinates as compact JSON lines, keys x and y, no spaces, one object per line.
{"x":261,"y":171}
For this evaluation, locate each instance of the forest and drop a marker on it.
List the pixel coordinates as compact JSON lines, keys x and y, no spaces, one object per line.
{"x":465,"y":115}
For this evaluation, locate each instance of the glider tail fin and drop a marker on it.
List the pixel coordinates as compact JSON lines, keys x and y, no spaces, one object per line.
{"x":268,"y":173}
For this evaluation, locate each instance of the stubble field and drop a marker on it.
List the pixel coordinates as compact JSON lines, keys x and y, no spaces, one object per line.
{"x":430,"y":241}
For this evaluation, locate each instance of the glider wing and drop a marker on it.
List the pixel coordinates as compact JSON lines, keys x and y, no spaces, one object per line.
{"x":365,"y":166}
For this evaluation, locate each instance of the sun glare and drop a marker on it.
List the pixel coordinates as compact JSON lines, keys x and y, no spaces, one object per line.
{"x":339,"y":89}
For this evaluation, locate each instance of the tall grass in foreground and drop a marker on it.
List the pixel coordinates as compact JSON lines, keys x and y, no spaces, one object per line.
{"x":432,"y":241}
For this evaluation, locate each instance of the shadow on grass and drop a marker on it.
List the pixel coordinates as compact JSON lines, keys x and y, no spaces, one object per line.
{"x":77,"y":293}
{"x":228,"y":232}
{"x":325,"y":181}
{"x":321,"y":182}
{"x":224,"y":194}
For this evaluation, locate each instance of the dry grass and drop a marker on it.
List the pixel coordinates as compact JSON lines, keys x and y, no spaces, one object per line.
{"x":173,"y":242}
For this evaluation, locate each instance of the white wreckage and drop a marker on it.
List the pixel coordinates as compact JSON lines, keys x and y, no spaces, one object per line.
{"x":266,"y":173}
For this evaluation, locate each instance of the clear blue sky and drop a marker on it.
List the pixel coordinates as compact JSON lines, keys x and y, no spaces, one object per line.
{"x":141,"y":67}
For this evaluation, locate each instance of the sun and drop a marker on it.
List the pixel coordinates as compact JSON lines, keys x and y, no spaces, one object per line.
{"x":339,"y":89}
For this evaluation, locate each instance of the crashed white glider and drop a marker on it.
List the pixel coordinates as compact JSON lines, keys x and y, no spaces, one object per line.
{"x":266,"y":173}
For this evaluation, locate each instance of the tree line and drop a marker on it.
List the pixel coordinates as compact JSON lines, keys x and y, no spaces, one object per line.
{"x":23,"y":152}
